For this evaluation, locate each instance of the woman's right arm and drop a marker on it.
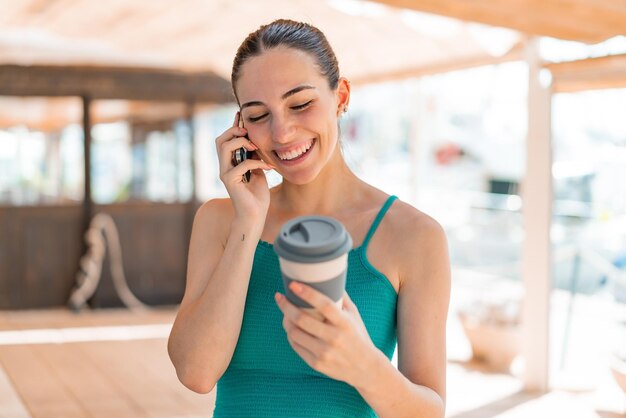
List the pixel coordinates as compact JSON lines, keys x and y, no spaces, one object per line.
{"x":223,"y":241}
{"x":208,"y":322}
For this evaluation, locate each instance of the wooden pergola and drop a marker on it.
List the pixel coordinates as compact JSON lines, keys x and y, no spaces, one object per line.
{"x":160,"y":52}
{"x":42,"y":271}
{"x":585,"y":21}
{"x":166,"y":49}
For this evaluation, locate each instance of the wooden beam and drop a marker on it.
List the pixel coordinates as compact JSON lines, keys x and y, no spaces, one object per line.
{"x":537,"y":219}
{"x":87,"y":198}
{"x":113,"y":83}
{"x":589,"y":74}
{"x":588,"y":21}
{"x":189,"y":117}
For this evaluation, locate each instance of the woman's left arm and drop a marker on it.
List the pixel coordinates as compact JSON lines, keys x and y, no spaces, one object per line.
{"x":339,"y":345}
{"x":417,"y":387}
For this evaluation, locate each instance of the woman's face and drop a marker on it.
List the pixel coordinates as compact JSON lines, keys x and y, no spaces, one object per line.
{"x":290,"y":112}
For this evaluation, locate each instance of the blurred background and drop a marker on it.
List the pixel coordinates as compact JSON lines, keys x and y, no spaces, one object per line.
{"x":504,"y":121}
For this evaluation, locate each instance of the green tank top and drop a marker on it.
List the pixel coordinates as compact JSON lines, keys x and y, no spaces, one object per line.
{"x":267,"y":378}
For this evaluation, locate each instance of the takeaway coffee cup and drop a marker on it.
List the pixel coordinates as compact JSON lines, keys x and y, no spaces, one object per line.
{"x":314,"y":250}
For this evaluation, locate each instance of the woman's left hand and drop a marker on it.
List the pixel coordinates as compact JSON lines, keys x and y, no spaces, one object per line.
{"x":337,"y":344}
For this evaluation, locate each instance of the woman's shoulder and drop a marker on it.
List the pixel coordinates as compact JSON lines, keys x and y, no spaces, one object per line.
{"x":419,"y":240}
{"x":216,"y":215}
{"x":401,"y":220}
{"x":407,"y":218}
{"x":220,"y":207}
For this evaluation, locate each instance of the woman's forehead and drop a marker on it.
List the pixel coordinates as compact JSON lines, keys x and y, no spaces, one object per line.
{"x":276,"y":72}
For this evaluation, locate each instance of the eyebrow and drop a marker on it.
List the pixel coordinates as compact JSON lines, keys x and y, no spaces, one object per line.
{"x":283,"y":97}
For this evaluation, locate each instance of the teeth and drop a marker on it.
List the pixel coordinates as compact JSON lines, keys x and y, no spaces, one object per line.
{"x":295,"y":153}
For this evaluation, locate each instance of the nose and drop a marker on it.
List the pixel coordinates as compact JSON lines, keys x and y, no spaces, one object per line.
{"x":283,"y":129}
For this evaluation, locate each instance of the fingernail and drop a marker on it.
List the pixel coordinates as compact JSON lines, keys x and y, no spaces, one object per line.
{"x":296,"y":287}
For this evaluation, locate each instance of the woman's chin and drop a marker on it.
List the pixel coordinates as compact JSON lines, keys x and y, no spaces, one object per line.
{"x":300,"y":178}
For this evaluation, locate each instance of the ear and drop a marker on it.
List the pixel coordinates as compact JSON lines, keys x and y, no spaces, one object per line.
{"x":343,"y":95}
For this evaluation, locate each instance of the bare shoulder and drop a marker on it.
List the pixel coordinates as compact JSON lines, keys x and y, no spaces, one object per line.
{"x":421,"y":243}
{"x":220,"y":208}
{"x":412,"y":226}
{"x":215,"y":215}
{"x":219,"y":205}
{"x":423,"y":297}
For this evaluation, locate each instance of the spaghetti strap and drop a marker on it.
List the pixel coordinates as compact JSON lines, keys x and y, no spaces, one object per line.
{"x":379,"y":218}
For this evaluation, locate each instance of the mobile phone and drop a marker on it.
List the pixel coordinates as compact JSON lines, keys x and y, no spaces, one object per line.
{"x":242,"y":154}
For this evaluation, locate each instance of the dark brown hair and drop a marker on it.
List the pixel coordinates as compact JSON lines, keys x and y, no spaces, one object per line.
{"x":291,"y":34}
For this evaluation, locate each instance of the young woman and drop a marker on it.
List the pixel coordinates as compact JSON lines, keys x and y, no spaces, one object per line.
{"x":235,"y":328}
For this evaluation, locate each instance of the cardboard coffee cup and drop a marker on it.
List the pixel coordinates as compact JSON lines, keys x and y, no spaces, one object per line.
{"x":314,"y":250}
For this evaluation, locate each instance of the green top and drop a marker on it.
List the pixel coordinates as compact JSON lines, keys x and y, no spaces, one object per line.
{"x":267,"y":378}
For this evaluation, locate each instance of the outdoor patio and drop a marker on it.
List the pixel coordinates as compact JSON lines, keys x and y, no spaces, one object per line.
{"x":502,"y":120}
{"x":112,"y":363}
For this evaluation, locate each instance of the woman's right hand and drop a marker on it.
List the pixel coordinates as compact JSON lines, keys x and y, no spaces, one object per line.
{"x":250,"y":199}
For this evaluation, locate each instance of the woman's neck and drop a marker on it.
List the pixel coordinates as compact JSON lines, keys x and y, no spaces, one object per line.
{"x":331,"y":192}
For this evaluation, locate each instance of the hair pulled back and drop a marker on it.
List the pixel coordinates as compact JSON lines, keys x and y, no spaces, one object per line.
{"x":291,"y":34}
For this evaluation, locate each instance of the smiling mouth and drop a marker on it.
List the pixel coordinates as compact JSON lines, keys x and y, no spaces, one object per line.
{"x":295,"y":154}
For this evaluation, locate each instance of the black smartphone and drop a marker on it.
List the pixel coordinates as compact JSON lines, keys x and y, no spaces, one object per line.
{"x":242,"y":154}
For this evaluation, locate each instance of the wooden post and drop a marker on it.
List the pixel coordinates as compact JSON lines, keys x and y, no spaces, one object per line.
{"x":415,"y":141}
{"x":87,"y":200}
{"x":192,"y":203}
{"x":422,"y":133}
{"x":537,"y":218}
{"x":192,"y":143}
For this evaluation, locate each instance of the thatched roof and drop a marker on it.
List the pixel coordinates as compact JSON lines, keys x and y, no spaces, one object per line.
{"x":371,"y":40}
{"x":374,"y":41}
{"x":588,"y":21}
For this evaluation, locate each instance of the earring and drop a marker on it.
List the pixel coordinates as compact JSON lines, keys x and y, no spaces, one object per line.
{"x":345,"y":109}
